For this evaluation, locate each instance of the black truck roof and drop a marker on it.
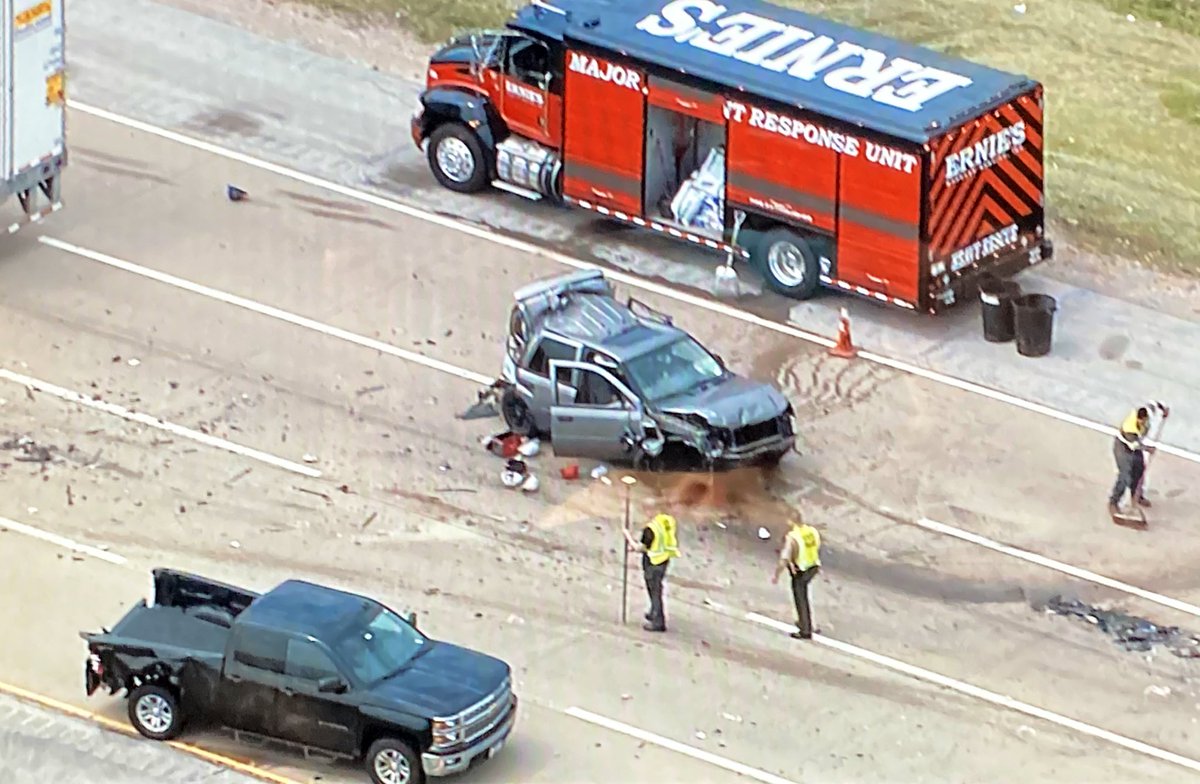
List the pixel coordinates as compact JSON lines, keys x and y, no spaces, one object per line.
{"x":613,"y":25}
{"x":302,"y":607}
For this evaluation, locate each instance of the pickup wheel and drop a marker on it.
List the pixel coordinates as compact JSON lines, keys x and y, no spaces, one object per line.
{"x":516,"y":413}
{"x":787,"y":263}
{"x":155,"y":712}
{"x":392,"y":761}
{"x":457,"y":158}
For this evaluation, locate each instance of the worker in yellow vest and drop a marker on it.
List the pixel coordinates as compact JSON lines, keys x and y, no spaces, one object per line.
{"x":658,"y":545}
{"x":801,"y":557}
{"x":1129,"y":450}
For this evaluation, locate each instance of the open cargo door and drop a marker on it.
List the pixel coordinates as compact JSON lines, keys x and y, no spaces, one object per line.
{"x":603,"y":132}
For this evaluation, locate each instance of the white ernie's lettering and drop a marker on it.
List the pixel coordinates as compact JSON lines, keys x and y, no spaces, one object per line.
{"x":526,"y":94}
{"x":605,"y":71}
{"x":984,"y":153}
{"x":992,"y":243}
{"x":844,"y":66}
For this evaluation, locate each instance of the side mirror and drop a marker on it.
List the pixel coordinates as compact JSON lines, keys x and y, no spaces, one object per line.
{"x":331,"y":685}
{"x":412,"y":619}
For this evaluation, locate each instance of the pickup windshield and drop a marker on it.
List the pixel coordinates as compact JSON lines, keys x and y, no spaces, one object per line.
{"x":378,"y":644}
{"x":673,"y":369}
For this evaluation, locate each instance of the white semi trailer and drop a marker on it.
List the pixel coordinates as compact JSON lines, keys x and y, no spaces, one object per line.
{"x":33,"y":107}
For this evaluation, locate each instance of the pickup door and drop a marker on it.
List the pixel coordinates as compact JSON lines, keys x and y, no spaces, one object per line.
{"x":270,"y":687}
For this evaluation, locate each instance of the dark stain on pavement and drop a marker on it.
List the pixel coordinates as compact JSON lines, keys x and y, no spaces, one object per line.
{"x":328,"y":204}
{"x":225,"y":122}
{"x":341,"y":216}
{"x":123,"y":171}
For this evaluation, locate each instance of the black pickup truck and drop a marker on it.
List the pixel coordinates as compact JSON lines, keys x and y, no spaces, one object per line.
{"x":309,"y":666}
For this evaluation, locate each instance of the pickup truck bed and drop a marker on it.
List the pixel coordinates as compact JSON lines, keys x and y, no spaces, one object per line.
{"x":174,"y":627}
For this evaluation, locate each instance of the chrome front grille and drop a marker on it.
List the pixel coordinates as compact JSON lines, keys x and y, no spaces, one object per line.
{"x":482,"y":717}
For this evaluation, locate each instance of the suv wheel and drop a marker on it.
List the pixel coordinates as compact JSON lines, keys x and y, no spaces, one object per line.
{"x":516,"y":413}
{"x":457,"y":158}
{"x":787,"y":263}
{"x":154,"y":711}
{"x":392,"y":761}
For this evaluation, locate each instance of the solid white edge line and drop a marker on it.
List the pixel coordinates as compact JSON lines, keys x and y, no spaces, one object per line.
{"x":676,"y":746}
{"x":145,"y":419}
{"x":616,"y":275}
{"x":986,"y":695}
{"x":1059,"y":566}
{"x":61,"y":541}
{"x":266,"y":310}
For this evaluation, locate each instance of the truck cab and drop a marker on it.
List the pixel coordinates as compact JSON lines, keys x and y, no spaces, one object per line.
{"x":309,"y":667}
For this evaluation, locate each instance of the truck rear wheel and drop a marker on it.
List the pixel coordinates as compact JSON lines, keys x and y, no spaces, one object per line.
{"x":392,"y":761}
{"x":154,"y":711}
{"x":457,"y":158}
{"x":787,"y":263}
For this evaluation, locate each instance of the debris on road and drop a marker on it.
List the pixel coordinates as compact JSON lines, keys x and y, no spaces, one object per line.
{"x":599,"y":471}
{"x":763,"y":533}
{"x":309,"y":458}
{"x":1157,"y":691}
{"x":70,"y":497}
{"x":570,"y":472}
{"x":1025,"y":731}
{"x":370,"y":519}
{"x":235,"y":544}
{"x":700,"y":735}
{"x":133,"y":362}
{"x":1129,"y":631}
{"x":370,"y":390}
{"x":530,"y":447}
{"x":234,"y":193}
{"x":485,"y":403}
{"x":506,"y":444}
{"x":28,"y":450}
{"x":318,"y":493}
{"x":732,"y":717}
{"x":514,"y":473}
{"x":238,"y":476}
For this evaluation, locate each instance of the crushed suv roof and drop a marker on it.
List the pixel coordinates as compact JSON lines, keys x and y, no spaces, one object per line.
{"x":613,"y":25}
{"x":601,"y":321}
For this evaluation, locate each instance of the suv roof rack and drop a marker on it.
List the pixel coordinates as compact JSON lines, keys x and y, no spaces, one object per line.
{"x":642,"y":310}
{"x":553,"y":292}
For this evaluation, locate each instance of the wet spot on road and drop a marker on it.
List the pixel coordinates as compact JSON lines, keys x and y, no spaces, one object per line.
{"x":341,"y":216}
{"x":918,"y":581}
{"x":1114,"y":347}
{"x":122,"y":171}
{"x":329,"y":204}
{"x":225,"y":122}
{"x":118,"y":165}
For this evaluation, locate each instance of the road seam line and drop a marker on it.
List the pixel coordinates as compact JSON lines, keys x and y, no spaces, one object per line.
{"x":464,"y":227}
{"x":1059,"y":566}
{"x":674,"y":745}
{"x":116,"y":726}
{"x":267,"y":310}
{"x":1004,"y":701}
{"x":70,"y":396}
{"x":61,"y":541}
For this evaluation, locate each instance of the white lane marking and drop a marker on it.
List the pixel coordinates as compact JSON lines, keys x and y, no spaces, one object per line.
{"x":266,"y":310}
{"x":61,"y":541}
{"x":1059,"y":566}
{"x":676,"y":746}
{"x":992,"y":697}
{"x":145,"y":419}
{"x":621,"y":277}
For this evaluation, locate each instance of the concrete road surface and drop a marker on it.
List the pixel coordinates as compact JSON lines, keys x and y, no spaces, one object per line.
{"x":1119,"y":338}
{"x":409,"y":508}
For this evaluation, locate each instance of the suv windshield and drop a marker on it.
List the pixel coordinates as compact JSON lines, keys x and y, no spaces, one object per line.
{"x":378,"y":644}
{"x":672,"y":369}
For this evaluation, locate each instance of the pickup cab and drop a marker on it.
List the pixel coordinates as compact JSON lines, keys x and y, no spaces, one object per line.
{"x":306,"y":665}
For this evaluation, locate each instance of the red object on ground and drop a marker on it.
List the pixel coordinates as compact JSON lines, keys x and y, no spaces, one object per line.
{"x":845,"y":346}
{"x":571,"y":471}
{"x":509,"y":445}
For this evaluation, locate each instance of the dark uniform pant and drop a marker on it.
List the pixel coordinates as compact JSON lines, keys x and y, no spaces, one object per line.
{"x":800,"y":581}
{"x":1131,"y":464}
{"x":655,"y":575}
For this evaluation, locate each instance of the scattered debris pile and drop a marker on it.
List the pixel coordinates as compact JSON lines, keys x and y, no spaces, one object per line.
{"x":28,"y":450}
{"x":514,"y":449}
{"x":1129,"y":631}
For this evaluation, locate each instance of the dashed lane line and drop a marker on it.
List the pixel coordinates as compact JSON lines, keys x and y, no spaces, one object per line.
{"x":1058,"y":566}
{"x":267,"y":310}
{"x":633,"y":281}
{"x":1001,"y":700}
{"x":61,"y":541}
{"x":71,"y":396}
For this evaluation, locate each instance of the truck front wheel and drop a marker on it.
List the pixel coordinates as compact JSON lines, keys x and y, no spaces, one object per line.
{"x":457,"y":158}
{"x":155,"y":712}
{"x":392,"y":761}
{"x":787,"y":263}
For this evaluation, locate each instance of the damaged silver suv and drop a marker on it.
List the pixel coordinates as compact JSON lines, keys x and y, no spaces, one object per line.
{"x":631,"y":387}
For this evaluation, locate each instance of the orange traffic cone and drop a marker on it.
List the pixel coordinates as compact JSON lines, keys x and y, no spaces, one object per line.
{"x":845,"y":346}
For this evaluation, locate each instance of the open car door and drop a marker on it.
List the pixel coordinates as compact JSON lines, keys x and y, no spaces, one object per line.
{"x":604,"y":419}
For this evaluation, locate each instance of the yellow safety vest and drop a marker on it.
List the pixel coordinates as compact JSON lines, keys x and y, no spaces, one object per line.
{"x":1133,"y":431}
{"x":664,"y":546}
{"x":807,"y":553}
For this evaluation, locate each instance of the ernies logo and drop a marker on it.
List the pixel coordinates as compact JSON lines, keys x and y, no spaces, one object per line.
{"x":984,"y":153}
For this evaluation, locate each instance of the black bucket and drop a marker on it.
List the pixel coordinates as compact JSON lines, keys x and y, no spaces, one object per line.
{"x":996,"y":298}
{"x":1034,"y":324}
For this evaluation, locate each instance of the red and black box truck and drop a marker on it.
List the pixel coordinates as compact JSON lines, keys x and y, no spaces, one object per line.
{"x":822,"y":154}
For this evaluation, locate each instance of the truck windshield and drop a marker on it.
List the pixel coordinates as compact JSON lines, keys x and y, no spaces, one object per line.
{"x":673,"y":369}
{"x":378,"y":644}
